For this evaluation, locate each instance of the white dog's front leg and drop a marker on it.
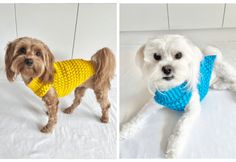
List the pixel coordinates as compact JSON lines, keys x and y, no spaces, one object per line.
{"x":177,"y":140}
{"x":129,"y":129}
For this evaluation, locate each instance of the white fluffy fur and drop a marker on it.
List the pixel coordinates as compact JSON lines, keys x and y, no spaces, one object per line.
{"x":185,"y":69}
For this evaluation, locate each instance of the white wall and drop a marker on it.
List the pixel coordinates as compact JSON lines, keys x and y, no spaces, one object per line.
{"x":54,"y":24}
{"x":230,"y":16}
{"x":95,"y":29}
{"x":7,"y":28}
{"x":70,"y":30}
{"x":152,"y":17}
{"x":135,"y":17}
{"x":195,"y":16}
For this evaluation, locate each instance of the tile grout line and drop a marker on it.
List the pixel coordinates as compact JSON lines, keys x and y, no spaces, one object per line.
{"x":75,"y":31}
{"x":16,"y":26}
{"x":168,"y":18}
{"x":223,"y":19}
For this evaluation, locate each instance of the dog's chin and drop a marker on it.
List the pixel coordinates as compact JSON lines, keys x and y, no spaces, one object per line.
{"x":168,"y":82}
{"x":28,"y":72}
{"x":31,"y":72}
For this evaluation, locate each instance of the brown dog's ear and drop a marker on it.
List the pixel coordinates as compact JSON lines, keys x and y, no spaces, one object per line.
{"x":8,"y":61}
{"x":139,"y":59}
{"x":48,"y":74}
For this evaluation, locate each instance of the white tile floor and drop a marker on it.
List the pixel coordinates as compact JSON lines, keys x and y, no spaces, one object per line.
{"x":214,"y":133}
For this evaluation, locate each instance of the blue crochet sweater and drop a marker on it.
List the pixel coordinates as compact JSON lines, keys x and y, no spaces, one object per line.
{"x":178,"y":97}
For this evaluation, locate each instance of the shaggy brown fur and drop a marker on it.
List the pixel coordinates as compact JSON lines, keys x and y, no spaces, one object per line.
{"x":24,"y":50}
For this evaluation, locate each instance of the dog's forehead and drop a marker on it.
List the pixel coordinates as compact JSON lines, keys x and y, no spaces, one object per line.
{"x":155,"y":43}
{"x":28,"y":42}
{"x":21,"y":42}
{"x":166,"y":43}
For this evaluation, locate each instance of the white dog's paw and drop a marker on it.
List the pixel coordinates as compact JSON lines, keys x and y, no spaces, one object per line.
{"x":128,"y":131}
{"x":219,"y":85}
{"x":174,"y":146}
{"x":124,"y":135}
{"x":171,"y":148}
{"x":170,"y":154}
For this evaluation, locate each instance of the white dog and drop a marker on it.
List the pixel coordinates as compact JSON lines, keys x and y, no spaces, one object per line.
{"x":166,"y":63}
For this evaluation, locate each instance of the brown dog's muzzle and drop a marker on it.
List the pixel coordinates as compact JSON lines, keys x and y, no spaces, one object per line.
{"x":29,"y":62}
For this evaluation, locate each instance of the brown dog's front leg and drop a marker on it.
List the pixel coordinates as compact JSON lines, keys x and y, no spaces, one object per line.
{"x":51,"y":102}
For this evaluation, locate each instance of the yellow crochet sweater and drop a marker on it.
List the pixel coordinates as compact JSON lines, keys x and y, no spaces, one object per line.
{"x":69,"y":75}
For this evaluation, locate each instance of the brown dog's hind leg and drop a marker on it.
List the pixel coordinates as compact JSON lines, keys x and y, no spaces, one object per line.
{"x":51,"y":102}
{"x":102,"y":98}
{"x":79,"y":93}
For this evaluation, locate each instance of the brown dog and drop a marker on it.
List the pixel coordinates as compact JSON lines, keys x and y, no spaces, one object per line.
{"x":32,"y":59}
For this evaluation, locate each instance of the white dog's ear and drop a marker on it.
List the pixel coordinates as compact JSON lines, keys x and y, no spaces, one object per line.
{"x":195,"y":66}
{"x":139,"y":59}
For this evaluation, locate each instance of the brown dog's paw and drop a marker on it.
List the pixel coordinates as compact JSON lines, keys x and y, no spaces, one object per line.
{"x":68,"y":110}
{"x":46,"y":129}
{"x":104,"y":119}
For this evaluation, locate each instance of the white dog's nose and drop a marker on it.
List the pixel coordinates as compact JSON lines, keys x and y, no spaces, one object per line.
{"x":167,"y":69}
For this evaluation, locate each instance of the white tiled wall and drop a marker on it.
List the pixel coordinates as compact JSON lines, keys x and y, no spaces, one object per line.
{"x":95,"y":29}
{"x":230,"y":16}
{"x":143,"y":17}
{"x":52,"y":23}
{"x":70,"y":30}
{"x":139,"y":17}
{"x":7,"y":28}
{"x":195,"y":16}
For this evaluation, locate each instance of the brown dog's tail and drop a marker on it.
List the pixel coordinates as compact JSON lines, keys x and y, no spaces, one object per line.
{"x":104,"y":63}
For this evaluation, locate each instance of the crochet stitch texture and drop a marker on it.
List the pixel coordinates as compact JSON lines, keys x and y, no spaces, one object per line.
{"x":69,"y":75}
{"x":178,"y":97}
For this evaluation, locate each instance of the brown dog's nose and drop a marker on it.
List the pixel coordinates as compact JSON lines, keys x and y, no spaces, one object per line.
{"x":167,"y":69}
{"x":29,"y":62}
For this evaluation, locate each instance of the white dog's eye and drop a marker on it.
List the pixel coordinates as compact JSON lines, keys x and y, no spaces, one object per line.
{"x":157,"y":57}
{"x":178,"y":55}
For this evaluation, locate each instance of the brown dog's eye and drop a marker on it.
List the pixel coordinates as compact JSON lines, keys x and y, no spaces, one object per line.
{"x":22,"y":50}
{"x":157,"y":57}
{"x":39,"y":54}
{"x":178,"y":55}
